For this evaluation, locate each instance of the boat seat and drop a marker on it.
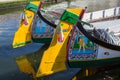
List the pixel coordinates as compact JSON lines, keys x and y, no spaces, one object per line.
{"x":104,"y":35}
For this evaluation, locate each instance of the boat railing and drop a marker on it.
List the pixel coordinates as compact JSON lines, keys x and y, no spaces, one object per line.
{"x":103,"y":15}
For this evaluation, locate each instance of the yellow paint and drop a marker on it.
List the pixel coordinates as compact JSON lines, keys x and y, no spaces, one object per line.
{"x":74,"y":78}
{"x":76,"y":11}
{"x":86,"y":72}
{"x":81,"y":42}
{"x":23,"y":34}
{"x":54,"y":57}
{"x":35,"y":2}
{"x":25,"y":66}
{"x":92,"y":71}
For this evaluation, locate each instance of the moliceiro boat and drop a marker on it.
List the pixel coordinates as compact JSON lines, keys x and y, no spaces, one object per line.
{"x":73,"y":41}
{"x":37,"y":24}
{"x":93,"y":47}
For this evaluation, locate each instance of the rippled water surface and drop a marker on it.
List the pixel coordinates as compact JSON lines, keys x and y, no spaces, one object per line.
{"x":9,"y":23}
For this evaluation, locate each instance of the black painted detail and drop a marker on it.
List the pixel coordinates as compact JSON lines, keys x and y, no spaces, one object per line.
{"x":96,"y":40}
{"x":45,"y":20}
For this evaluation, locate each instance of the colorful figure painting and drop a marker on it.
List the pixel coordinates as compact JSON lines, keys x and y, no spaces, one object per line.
{"x":59,"y":31}
{"x":83,"y":44}
{"x":42,"y":27}
{"x":83,"y":48}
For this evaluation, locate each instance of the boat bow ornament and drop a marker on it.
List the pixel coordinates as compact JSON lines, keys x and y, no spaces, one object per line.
{"x":72,"y":40}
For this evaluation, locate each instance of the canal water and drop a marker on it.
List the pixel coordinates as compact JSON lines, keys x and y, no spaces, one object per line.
{"x":9,"y":23}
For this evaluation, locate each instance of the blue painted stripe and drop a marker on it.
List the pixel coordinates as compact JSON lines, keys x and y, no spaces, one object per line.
{"x":75,"y":51}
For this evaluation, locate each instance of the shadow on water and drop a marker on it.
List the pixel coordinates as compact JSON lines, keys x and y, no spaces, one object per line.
{"x":106,"y":73}
{"x":35,"y":59}
{"x":8,"y":68}
{"x":9,"y":24}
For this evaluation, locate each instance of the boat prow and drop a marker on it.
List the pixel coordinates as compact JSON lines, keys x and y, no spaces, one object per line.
{"x":22,"y":36}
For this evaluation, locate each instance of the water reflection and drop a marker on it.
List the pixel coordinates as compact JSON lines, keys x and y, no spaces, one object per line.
{"x":9,"y":24}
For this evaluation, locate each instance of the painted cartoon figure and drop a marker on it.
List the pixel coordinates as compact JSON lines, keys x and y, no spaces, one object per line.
{"x":25,"y":20}
{"x":61,"y":37}
{"x":81,"y":44}
{"x":59,"y":31}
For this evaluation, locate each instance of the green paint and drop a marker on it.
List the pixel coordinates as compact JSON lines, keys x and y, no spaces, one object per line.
{"x":31,"y":7}
{"x":42,"y":40}
{"x":22,"y":44}
{"x":61,"y":24}
{"x":65,"y":30}
{"x":29,"y":17}
{"x":76,"y":46}
{"x":93,"y":63}
{"x":72,"y":18}
{"x":89,"y":44}
{"x":86,"y":23}
{"x":69,"y":17}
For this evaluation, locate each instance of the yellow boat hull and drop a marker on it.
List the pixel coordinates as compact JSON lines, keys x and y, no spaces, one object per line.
{"x":22,"y":36}
{"x":54,"y":58}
